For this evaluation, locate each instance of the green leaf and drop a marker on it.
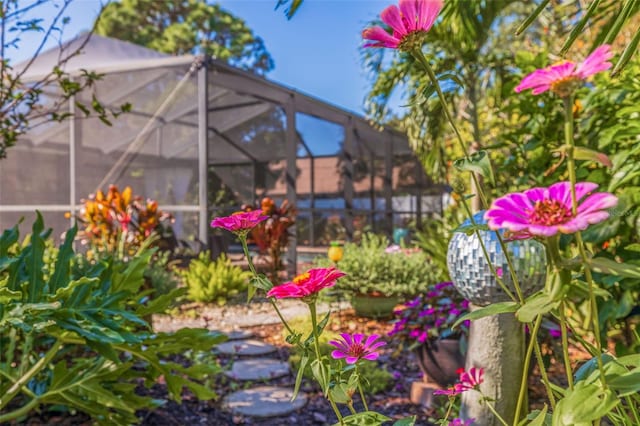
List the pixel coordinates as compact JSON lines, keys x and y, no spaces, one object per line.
{"x":63,"y":262}
{"x":320,"y":372}
{"x":407,"y":421}
{"x":493,"y":309}
{"x":471,"y":229}
{"x":626,"y":384}
{"x":538,"y":304}
{"x":577,"y":29}
{"x":582,"y":153}
{"x":34,"y":260}
{"x":583,"y":405}
{"x":261,"y":282}
{"x":6,"y":295}
{"x":64,"y":293}
{"x":608,"y":266}
{"x":340,"y":393}
{"x":366,"y":418}
{"x":537,"y":418}
{"x":303,"y":364}
{"x":532,"y":17}
{"x":478,"y":162}
{"x":628,"y":52}
{"x":589,"y":367}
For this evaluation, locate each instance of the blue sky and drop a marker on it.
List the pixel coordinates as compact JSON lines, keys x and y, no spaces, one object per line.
{"x":316,"y":52}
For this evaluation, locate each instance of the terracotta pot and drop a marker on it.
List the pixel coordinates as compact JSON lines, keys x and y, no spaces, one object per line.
{"x":440,"y":360}
{"x":371,"y":306}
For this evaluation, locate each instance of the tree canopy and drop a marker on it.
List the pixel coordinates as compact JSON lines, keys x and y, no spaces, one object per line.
{"x":186,"y":26}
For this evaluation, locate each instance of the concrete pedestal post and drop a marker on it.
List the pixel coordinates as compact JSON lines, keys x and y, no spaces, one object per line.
{"x":496,"y":343}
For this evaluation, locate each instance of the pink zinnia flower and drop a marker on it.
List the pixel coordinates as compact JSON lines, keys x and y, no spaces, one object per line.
{"x":241,"y":222}
{"x":468,"y":380}
{"x":562,"y":78}
{"x":472,"y":378}
{"x":307,"y":284}
{"x":352,"y":349}
{"x":546,"y":211}
{"x":409,"y":21}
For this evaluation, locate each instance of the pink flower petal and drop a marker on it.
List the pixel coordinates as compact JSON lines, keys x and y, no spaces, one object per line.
{"x":428,"y":11}
{"x":409,"y":14}
{"x":383,"y":38}
{"x":391,"y":16}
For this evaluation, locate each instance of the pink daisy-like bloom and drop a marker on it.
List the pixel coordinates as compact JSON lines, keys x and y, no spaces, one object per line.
{"x":307,"y":284}
{"x":472,"y":377}
{"x":562,"y":78}
{"x":409,"y":22}
{"x":241,"y":222}
{"x":544,"y":212}
{"x":468,"y":380}
{"x":352,"y":348}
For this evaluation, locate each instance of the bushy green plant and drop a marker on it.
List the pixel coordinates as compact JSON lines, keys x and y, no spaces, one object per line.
{"x":160,"y":274}
{"x":70,"y":341}
{"x":216,"y":281}
{"x":372,"y":269}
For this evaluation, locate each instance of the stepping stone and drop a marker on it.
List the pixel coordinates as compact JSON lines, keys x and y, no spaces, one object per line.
{"x":264,"y":401}
{"x":238,"y":334}
{"x":248,"y":347}
{"x":258,"y":369}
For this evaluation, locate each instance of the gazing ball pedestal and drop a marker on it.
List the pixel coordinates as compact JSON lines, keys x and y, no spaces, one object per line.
{"x":496,"y":343}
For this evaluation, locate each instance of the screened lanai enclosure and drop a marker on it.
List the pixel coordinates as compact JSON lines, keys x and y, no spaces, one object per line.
{"x":203,"y":138}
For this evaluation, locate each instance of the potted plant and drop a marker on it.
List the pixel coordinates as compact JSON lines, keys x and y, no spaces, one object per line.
{"x":379,"y":277}
{"x":424,"y":325}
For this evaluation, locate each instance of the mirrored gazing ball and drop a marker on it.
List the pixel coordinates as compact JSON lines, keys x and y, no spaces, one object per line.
{"x":472,"y":275}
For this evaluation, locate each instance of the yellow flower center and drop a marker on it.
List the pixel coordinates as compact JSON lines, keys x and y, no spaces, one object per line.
{"x":300,"y":279}
{"x":550,"y":212}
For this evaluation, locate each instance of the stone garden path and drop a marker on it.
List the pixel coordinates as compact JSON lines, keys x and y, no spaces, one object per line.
{"x":252,"y":362}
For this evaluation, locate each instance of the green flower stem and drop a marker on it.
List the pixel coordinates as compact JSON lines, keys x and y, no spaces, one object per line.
{"x":353,"y":410}
{"x":525,"y":370}
{"x":565,"y":345}
{"x":553,"y":249}
{"x":571,"y":165}
{"x":632,"y":407}
{"x":483,"y":199}
{"x":33,"y":371}
{"x":495,"y":413}
{"x":22,"y":411}
{"x":449,"y":408}
{"x":512,"y":270}
{"x":316,"y":345}
{"x":486,"y":254}
{"x":543,"y":373}
{"x":434,"y":80}
{"x":364,"y":401}
{"x":245,"y":249}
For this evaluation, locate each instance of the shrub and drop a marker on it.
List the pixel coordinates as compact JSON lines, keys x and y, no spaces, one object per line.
{"x":70,"y":340}
{"x":210,"y":281}
{"x":119,"y":222}
{"x":372,"y":269}
{"x":160,"y":274}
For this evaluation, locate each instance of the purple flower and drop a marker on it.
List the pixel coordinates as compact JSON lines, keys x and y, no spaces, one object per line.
{"x":459,"y":422}
{"x":413,"y":303}
{"x":410,"y":21}
{"x":423,"y":337}
{"x":426,"y":312}
{"x":442,"y":285}
{"x":353,"y":349}
{"x":546,"y":211}
{"x":562,"y":78}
